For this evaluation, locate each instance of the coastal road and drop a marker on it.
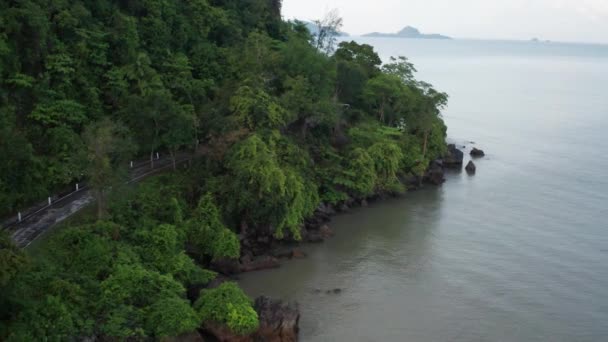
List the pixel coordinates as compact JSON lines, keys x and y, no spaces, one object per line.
{"x":41,"y":219}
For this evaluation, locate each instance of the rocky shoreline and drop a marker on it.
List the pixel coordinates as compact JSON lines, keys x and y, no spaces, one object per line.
{"x":260,"y":250}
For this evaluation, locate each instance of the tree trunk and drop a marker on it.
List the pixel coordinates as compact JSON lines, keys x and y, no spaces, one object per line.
{"x":173,"y":159}
{"x":100,"y":204}
{"x":424,"y":146}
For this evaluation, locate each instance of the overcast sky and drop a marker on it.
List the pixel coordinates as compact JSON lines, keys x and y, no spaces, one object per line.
{"x":558,"y":20}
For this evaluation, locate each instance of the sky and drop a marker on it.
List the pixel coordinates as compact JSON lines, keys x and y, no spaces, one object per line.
{"x":556,"y":20}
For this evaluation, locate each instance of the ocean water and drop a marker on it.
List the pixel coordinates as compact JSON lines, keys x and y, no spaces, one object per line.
{"x":518,"y":252}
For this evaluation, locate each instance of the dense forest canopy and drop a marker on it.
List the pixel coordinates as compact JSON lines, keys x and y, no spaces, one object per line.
{"x":277,"y":127}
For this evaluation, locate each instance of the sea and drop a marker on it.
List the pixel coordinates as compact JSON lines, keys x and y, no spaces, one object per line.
{"x":516,"y":252}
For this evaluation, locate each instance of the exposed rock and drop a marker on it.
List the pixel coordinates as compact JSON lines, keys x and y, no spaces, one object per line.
{"x":260,"y":263}
{"x":298,"y":254}
{"x":326,"y":232}
{"x":344,"y":207}
{"x":279,"y":321}
{"x":225,"y":266}
{"x":454,"y":157}
{"x":314,"y":237}
{"x":435,"y":174}
{"x":364,"y":203}
{"x":322,"y":214}
{"x":193,"y":336}
{"x":477,"y":153}
{"x":334,"y":291}
{"x":471,"y":168}
{"x":326,"y":209}
{"x":223,"y":334}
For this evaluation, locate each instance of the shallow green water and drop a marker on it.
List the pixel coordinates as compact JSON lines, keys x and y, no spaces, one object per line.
{"x":518,"y":252}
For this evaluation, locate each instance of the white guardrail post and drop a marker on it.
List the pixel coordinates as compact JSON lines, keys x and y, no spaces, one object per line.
{"x":49,"y":201}
{"x":19,"y":216}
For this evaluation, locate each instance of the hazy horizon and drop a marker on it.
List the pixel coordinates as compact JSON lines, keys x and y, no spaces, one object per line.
{"x":584,"y":21}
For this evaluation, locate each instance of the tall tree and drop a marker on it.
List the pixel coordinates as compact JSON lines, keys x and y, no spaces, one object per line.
{"x":108,"y":150}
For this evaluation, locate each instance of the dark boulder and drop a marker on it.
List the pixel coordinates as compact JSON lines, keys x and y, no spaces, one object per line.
{"x":260,"y":263}
{"x":279,"y":321}
{"x":314,"y":237}
{"x":471,"y":168}
{"x":326,"y":232}
{"x":225,"y":266}
{"x":297,"y":254}
{"x":435,"y":174}
{"x":477,"y":153}
{"x":454,"y":157}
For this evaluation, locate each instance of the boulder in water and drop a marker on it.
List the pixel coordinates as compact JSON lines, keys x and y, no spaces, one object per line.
{"x":471,"y":168}
{"x":453,"y":158}
{"x":477,"y":153}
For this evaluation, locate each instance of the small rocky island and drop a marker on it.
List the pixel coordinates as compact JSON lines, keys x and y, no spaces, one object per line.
{"x":407,"y":32}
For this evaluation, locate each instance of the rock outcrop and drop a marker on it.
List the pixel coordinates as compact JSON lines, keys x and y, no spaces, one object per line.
{"x":454,"y":157}
{"x":435,"y":174}
{"x":471,"y":168}
{"x":279,"y":322}
{"x":477,"y":153}
{"x":259,"y":263}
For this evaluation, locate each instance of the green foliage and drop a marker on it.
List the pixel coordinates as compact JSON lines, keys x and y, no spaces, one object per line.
{"x":387,"y":158}
{"x":227,"y":304}
{"x":270,"y":193}
{"x":276,"y":125}
{"x":12,"y":260}
{"x":255,"y":109}
{"x":361,"y":172}
{"x":108,"y":149}
{"x":171,"y":317}
{"x":207,"y":232}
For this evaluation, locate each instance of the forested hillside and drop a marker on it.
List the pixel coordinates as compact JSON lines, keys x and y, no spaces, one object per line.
{"x":276,"y":126}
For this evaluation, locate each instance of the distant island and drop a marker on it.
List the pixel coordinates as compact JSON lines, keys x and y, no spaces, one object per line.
{"x":536,"y":40}
{"x":407,"y":32}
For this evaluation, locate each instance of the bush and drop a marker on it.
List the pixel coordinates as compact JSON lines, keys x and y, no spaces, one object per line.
{"x":229,"y":306}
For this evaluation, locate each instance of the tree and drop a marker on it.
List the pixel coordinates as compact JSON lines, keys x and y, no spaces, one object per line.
{"x":427,"y":112}
{"x":328,"y":28}
{"x":12,"y":260}
{"x":180,"y":131}
{"x":253,"y":108}
{"x":108,"y":149}
{"x":208,"y":234}
{"x":228,"y":305}
{"x":401,"y":68}
{"x":270,"y":193}
{"x":384,"y":95}
{"x":170,"y":317}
